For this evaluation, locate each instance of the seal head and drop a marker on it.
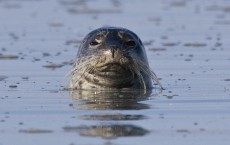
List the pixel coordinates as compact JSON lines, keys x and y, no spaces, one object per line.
{"x":112,"y":58}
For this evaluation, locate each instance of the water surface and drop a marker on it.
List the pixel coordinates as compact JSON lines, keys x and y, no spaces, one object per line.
{"x":187,"y":43}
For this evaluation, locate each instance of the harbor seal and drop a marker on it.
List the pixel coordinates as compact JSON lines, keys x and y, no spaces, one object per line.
{"x":112,"y":58}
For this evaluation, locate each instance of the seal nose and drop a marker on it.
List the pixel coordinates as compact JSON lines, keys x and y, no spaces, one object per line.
{"x":114,"y":50}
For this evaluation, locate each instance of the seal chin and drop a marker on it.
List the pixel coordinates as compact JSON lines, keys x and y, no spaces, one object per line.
{"x":112,"y":75}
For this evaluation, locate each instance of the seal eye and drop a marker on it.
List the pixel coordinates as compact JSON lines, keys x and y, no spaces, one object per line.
{"x":130,"y":43}
{"x":93,"y":43}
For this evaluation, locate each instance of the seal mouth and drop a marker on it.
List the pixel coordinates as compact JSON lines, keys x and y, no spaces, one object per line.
{"x":112,"y":69}
{"x":112,"y":75}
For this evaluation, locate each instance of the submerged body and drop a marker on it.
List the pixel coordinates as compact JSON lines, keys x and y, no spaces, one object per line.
{"x":112,"y":58}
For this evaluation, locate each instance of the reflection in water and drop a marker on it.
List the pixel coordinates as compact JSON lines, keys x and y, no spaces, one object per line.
{"x":108,"y":131}
{"x":113,"y":106}
{"x":110,"y":100}
{"x":112,"y":117}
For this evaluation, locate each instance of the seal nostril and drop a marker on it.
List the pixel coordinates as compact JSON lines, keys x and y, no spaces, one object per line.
{"x":113,"y":50}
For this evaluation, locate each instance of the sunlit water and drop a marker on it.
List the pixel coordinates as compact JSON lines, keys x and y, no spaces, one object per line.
{"x":187,"y":43}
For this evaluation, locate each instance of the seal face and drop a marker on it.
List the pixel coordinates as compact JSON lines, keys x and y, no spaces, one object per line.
{"x":112,"y":58}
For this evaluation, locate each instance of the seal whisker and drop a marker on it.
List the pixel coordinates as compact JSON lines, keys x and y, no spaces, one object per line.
{"x":134,"y":67}
{"x":81,"y":65}
{"x":80,"y":69}
{"x":149,"y":72}
{"x":79,"y":76}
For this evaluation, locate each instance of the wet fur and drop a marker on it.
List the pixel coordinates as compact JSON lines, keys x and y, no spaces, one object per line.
{"x":86,"y":65}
